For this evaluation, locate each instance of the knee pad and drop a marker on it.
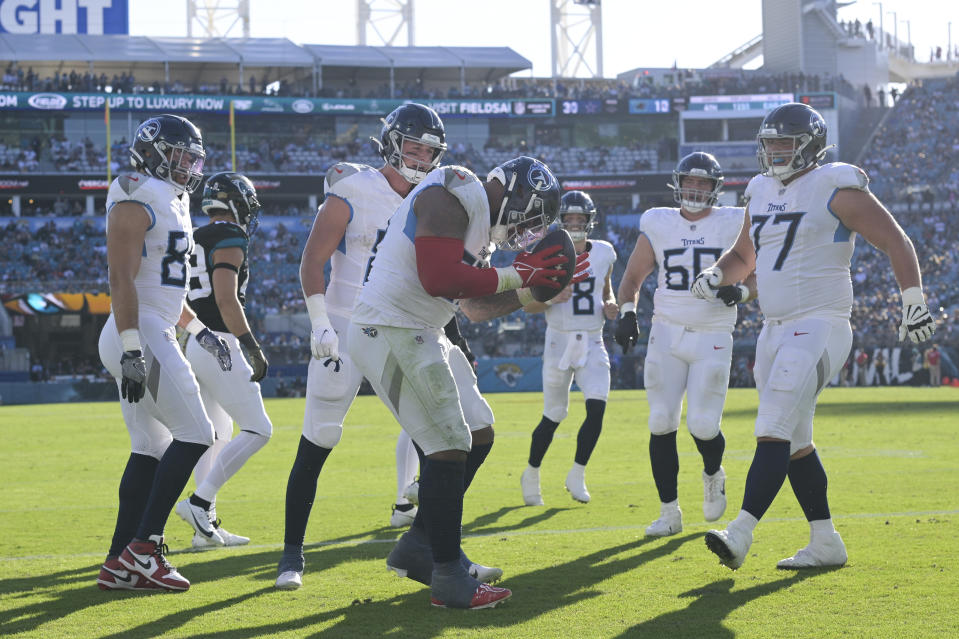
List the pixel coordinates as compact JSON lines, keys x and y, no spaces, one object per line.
{"x":324,"y":435}
{"x":703,"y":427}
{"x":662,"y":423}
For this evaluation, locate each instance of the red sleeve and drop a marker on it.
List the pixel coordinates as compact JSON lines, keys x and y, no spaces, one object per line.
{"x":439,"y":264}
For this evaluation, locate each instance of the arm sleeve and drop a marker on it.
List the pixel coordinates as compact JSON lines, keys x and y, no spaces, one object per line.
{"x":439,"y":264}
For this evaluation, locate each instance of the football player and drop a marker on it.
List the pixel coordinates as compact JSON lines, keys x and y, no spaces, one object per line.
{"x":436,"y":251}
{"x":574,"y":349}
{"x":690,"y":342}
{"x":149,"y":241}
{"x":799,"y":233}
{"x":219,"y":275}
{"x":346,"y":232}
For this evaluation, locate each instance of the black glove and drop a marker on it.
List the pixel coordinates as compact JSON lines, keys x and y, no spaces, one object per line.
{"x":133,"y":369}
{"x":732,"y":294}
{"x":627,"y":331}
{"x":255,"y":354}
{"x":452,"y":330}
{"x":215,"y":347}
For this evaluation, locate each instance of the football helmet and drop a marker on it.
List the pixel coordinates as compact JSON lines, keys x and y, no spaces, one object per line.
{"x":418,"y":123}
{"x":797,"y":122}
{"x":702,"y":165}
{"x":577,"y":203}
{"x":530,"y":203}
{"x":169,"y":148}
{"x":233,"y":193}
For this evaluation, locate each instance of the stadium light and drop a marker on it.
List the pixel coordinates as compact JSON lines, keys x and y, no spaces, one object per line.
{"x":882,"y":37}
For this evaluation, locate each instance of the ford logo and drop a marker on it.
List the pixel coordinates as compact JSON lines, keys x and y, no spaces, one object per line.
{"x":302,"y":106}
{"x":50,"y":101}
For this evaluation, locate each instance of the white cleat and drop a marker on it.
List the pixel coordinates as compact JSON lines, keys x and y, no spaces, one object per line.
{"x":202,"y":521}
{"x":714,"y":495}
{"x":402,"y":518}
{"x":818,"y":554}
{"x":289,"y":580}
{"x":669,"y":523}
{"x":485,"y":574}
{"x":229,"y":539}
{"x":730,"y":545}
{"x":530,"y":484}
{"x":412,"y":493}
{"x":576,"y":484}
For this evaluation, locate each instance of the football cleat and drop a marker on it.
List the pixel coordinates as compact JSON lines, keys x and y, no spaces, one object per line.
{"x":530,"y":485}
{"x":486,"y":596}
{"x":202,"y":521}
{"x":113,"y":576}
{"x":412,"y":493}
{"x":714,"y":494}
{"x":289,"y":580}
{"x":229,"y":539}
{"x":576,"y":484}
{"x":146,"y":558}
{"x":730,"y":545}
{"x":403,"y":515}
{"x":484,"y":574}
{"x":669,"y":523}
{"x":411,"y":557}
{"x":818,"y":554}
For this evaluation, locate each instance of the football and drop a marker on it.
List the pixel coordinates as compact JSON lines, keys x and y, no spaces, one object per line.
{"x":559,"y":237}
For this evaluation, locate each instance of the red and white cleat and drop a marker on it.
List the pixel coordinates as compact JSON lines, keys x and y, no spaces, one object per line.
{"x":486,"y":596}
{"x":146,"y":558}
{"x":113,"y":576}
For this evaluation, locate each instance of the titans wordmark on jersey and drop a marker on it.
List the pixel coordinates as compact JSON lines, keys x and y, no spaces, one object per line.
{"x":584,"y":310}
{"x":202,"y":297}
{"x":683,"y":248}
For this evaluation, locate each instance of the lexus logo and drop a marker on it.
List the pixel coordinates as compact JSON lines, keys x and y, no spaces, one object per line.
{"x":539,"y":178}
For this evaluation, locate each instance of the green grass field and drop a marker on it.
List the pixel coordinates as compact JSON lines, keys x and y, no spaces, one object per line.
{"x":575,"y":570}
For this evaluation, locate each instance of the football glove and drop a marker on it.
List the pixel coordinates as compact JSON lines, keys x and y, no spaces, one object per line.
{"x":705,"y":285}
{"x":627,"y":331}
{"x":324,"y":342}
{"x":133,"y":371}
{"x":733,"y":294}
{"x":536,"y":269}
{"x":917,"y":322}
{"x":215,"y":347}
{"x":452,"y":330}
{"x":255,"y":354}
{"x":583,"y":269}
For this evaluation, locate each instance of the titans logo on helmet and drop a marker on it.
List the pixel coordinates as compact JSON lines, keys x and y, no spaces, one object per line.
{"x":149,"y":130}
{"x":539,"y":179}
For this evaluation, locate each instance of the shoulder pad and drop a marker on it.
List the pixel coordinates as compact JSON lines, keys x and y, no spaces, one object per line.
{"x":224,"y":230}
{"x":130,"y":182}
{"x":753,"y":184}
{"x":456,"y":176}
{"x":342,"y":170}
{"x":847,"y":176}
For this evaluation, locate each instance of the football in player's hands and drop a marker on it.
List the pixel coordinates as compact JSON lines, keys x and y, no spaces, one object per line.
{"x":560,"y":238}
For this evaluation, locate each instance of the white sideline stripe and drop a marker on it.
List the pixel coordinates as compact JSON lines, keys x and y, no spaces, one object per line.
{"x":512,"y":533}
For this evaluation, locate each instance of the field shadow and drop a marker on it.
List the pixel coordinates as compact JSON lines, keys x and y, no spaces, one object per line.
{"x":484,"y":524}
{"x":860,"y":410}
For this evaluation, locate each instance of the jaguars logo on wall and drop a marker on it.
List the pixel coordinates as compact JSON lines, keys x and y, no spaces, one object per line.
{"x":509,"y":372}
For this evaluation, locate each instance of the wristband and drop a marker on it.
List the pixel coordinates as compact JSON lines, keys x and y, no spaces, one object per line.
{"x":249,"y":341}
{"x":509,"y":279}
{"x":195,"y":326}
{"x":316,"y":307}
{"x":743,"y":292}
{"x":913,"y":296}
{"x":550,"y":301}
{"x":524,"y":295}
{"x":628,"y":307}
{"x":130,"y":339}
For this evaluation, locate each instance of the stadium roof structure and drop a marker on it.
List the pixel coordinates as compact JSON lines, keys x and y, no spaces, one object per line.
{"x":208,"y":59}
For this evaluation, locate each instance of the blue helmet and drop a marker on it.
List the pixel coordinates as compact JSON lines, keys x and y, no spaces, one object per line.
{"x":702,"y":165}
{"x":577,"y":203}
{"x":169,"y":148}
{"x":530,"y":202}
{"x":418,"y":123}
{"x":804,"y":126}
{"x":234,"y":194}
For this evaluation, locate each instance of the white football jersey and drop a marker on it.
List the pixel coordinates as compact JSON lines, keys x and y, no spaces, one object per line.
{"x":584,"y":310}
{"x":683,"y":248}
{"x":372,"y":201}
{"x":802,"y":249}
{"x":393,"y":294}
{"x":164,"y":276}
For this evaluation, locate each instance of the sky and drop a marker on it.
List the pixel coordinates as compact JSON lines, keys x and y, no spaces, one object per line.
{"x":636,"y":33}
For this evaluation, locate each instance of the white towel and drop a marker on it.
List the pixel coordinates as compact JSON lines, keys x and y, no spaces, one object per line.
{"x":575,"y":354}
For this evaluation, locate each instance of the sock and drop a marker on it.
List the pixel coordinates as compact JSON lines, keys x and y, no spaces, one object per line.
{"x":301,"y":489}
{"x":474,"y":460}
{"x":712,"y":452}
{"x":229,"y":461}
{"x":590,"y":430}
{"x":808,"y":480}
{"x":172,"y":474}
{"x":407,"y":463}
{"x":441,"y":504}
{"x":199,"y":501}
{"x":765,"y":477}
{"x":542,"y":438}
{"x":134,"y":491}
{"x":664,"y":460}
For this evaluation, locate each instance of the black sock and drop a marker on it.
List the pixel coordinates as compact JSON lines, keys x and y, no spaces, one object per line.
{"x":664,"y":459}
{"x":135,"y":487}
{"x":197,"y":501}
{"x":590,"y":430}
{"x":301,"y":489}
{"x":441,"y":505}
{"x":808,"y":480}
{"x":712,"y":452}
{"x":474,"y":460}
{"x":542,"y":438}
{"x":172,"y":474}
{"x":765,"y":477}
